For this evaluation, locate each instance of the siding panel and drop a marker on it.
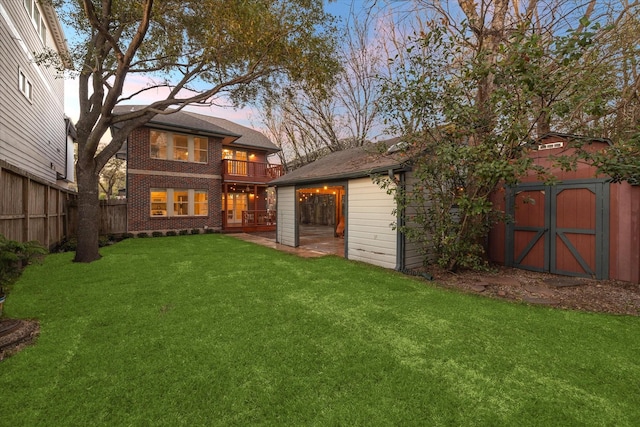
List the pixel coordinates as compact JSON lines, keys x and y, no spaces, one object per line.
{"x":286,"y":222}
{"x":371,"y":238}
{"x":32,"y":134}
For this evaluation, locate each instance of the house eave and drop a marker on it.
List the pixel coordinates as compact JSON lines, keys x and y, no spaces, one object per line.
{"x":342,"y":176}
{"x":57,"y":33}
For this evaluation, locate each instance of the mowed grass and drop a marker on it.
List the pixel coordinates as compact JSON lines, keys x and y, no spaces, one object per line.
{"x":210,"y":330}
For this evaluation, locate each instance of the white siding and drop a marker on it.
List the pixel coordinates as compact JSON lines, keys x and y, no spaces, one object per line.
{"x":32,"y":134}
{"x":286,"y":221}
{"x":370,"y":236}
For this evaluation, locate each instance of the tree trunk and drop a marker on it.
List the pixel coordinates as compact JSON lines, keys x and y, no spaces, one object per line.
{"x":88,"y":215}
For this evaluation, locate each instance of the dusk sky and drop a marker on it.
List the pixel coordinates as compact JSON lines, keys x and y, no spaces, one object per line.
{"x":245,"y":117}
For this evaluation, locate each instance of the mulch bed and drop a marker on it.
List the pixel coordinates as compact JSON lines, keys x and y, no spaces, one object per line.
{"x":15,"y":334}
{"x":573,"y":293}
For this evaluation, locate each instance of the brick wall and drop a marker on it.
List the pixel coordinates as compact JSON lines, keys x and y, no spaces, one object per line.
{"x":139,"y":186}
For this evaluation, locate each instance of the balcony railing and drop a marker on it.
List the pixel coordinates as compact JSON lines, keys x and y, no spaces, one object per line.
{"x":258,"y":218}
{"x":241,"y":170}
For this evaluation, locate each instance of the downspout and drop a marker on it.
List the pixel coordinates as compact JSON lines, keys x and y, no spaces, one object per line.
{"x":67,"y":126}
{"x":400,"y":221}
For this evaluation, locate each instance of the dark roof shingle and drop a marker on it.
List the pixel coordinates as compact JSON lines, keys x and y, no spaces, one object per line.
{"x":352,"y":163}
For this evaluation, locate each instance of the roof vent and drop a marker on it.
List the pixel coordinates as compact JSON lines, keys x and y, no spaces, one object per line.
{"x":402,"y":145}
{"x":550,"y":146}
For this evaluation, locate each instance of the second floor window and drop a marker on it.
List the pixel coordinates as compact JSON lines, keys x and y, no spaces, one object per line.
{"x":184,"y":148}
{"x":36,"y":18}
{"x":180,"y":148}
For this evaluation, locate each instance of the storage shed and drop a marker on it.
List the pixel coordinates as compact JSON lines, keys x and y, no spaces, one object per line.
{"x":338,"y":192}
{"x":584,"y":225}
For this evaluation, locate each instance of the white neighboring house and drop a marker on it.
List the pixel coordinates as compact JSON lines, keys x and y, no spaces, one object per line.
{"x":35,"y":136}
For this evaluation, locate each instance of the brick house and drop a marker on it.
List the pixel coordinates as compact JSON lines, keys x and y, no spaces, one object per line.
{"x":190,"y":171}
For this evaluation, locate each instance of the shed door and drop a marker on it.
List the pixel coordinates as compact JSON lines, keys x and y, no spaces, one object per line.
{"x":561,"y":229}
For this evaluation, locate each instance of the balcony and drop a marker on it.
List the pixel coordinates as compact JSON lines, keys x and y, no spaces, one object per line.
{"x":255,"y":172}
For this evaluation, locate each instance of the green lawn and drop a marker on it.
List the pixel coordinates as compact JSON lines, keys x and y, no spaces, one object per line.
{"x":211,"y":330}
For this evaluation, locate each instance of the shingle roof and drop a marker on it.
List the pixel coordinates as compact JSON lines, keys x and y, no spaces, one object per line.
{"x":188,"y":121}
{"x":181,"y":120}
{"x":353,"y":163}
{"x":249,"y":137}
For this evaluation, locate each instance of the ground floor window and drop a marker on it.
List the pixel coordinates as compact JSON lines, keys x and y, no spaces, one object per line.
{"x":178,"y":202}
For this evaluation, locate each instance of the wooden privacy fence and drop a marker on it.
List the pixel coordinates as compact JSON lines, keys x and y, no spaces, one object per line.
{"x":31,"y":209}
{"x":113,"y":217}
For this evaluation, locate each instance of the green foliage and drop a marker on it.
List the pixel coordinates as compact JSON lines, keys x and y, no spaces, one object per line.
{"x":142,"y":235}
{"x":15,"y":256}
{"x":183,"y":232}
{"x":172,"y":233}
{"x":71,"y":244}
{"x":157,"y":234}
{"x":195,"y":231}
{"x":621,"y":162}
{"x":468,"y":112}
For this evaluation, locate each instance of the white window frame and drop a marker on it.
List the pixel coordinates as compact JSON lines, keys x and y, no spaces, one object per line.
{"x":25,"y":85}
{"x":168,"y":210}
{"x":172,"y":150}
{"x":37,"y":19}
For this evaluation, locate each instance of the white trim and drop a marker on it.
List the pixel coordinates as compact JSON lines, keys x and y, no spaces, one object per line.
{"x":170,"y":147}
{"x":169,"y":202}
{"x":24,"y":85}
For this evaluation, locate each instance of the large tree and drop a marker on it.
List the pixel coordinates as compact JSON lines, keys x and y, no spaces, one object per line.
{"x":479,"y":79}
{"x":192,"y":51}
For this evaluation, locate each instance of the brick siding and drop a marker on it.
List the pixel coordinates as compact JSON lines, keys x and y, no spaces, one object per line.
{"x":139,"y":218}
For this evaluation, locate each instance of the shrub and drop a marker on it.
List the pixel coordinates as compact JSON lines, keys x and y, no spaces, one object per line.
{"x":104,"y":241}
{"x":183,"y":232}
{"x":172,"y":233}
{"x":209,"y":231}
{"x":195,"y":231}
{"x":157,"y":234}
{"x":14,"y":256}
{"x":127,"y":236}
{"x":142,"y":235}
{"x":67,"y":245}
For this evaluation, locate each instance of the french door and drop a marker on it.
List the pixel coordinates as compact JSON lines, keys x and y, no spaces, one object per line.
{"x":236,"y":204}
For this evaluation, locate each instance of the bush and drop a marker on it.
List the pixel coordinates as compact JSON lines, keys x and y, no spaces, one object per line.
{"x":157,"y":234}
{"x":67,"y":245}
{"x":195,"y":231}
{"x":15,"y":256}
{"x":142,"y":235}
{"x":104,"y":241}
{"x":209,"y":231}
{"x":183,"y":232}
{"x":172,"y":233}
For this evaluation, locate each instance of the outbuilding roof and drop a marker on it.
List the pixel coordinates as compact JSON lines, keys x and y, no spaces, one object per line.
{"x":352,"y":163}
